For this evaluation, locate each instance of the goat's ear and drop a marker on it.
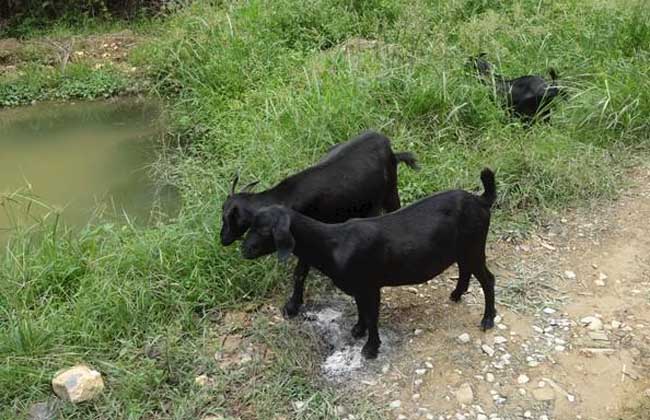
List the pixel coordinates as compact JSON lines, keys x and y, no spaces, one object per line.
{"x":284,"y":242}
{"x":249,"y":187}
{"x":234,"y":183}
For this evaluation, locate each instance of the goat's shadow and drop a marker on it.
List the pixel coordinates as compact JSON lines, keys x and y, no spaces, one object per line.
{"x":331,"y":319}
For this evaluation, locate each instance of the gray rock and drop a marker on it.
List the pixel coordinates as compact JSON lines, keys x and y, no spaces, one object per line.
{"x":42,"y":411}
{"x":464,"y":338}
{"x":522,"y":379}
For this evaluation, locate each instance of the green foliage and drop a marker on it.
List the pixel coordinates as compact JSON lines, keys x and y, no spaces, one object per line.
{"x":268,"y":87}
{"x":38,"y":83}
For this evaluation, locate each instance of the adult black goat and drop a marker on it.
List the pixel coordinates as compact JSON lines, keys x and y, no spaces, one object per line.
{"x":357,"y":178}
{"x":409,"y":246}
{"x":527,"y":97}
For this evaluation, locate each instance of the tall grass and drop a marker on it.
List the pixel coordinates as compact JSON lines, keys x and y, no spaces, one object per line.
{"x":265,"y":88}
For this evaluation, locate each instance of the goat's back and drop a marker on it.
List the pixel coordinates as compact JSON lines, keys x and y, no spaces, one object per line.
{"x":350,"y":181}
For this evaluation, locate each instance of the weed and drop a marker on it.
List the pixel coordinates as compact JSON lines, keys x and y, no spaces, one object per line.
{"x":268,"y":88}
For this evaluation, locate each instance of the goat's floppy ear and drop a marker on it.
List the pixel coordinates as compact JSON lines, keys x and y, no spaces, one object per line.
{"x":284,"y":242}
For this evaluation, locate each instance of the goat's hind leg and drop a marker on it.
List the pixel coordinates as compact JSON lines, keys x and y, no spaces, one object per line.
{"x":462,"y":285}
{"x":486,"y":278}
{"x":359,"y":329}
{"x":292,"y":306}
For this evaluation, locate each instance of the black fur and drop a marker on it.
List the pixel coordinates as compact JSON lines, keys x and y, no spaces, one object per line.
{"x":409,"y":246}
{"x":527,"y":97}
{"x":357,"y":178}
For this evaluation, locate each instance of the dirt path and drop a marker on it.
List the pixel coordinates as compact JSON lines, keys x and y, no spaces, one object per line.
{"x":572,"y":341}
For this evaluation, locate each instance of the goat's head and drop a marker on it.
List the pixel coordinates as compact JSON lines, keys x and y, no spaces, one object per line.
{"x":237,"y":214}
{"x":269,"y":232}
{"x":479,"y":65}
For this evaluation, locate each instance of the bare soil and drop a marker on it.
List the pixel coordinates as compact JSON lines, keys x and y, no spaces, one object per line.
{"x":548,"y":361}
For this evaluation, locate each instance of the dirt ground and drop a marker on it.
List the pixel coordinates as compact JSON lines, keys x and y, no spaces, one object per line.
{"x":572,"y":339}
{"x":98,"y":50}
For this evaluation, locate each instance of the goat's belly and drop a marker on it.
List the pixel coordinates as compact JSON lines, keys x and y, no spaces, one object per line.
{"x":413,"y":276}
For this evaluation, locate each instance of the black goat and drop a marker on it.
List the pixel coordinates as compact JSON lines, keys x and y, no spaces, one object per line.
{"x":357,"y":178}
{"x":409,"y":246}
{"x":527,"y":97}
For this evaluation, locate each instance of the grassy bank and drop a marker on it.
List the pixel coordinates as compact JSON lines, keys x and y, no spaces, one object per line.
{"x":267,"y":88}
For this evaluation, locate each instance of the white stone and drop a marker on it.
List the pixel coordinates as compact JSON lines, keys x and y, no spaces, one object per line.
{"x":488,"y":350}
{"x":464,"y":338}
{"x":592,"y":323}
{"x":415,"y":397}
{"x":602,"y":276}
{"x":395,"y":404}
{"x":429,"y":365}
{"x":202,"y":380}
{"x":77,"y":384}
{"x":298,"y":405}
{"x":420,"y":372}
{"x":543,"y":417}
{"x":464,"y":394}
{"x":528,"y":414}
{"x":500,"y":340}
{"x":489,"y":377}
{"x":418,"y":331}
{"x":522,"y":379}
{"x":569,"y":274}
{"x":549,"y":311}
{"x":497,"y":319}
{"x":481,"y":417}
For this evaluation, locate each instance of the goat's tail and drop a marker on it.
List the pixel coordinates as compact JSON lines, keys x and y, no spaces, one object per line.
{"x":490,"y":187}
{"x":408,"y":158}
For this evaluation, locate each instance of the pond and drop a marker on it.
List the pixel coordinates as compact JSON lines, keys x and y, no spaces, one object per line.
{"x":83,"y":162}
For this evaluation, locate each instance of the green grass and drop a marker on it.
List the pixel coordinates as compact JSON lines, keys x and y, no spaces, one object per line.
{"x":266,"y":89}
{"x":33,"y":83}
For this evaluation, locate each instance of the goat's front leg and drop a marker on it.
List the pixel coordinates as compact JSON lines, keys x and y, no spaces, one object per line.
{"x":359,"y":329}
{"x":292,"y":306}
{"x":370,"y":307}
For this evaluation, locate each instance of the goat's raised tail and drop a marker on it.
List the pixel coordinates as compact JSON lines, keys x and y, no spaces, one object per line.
{"x":490,"y":187}
{"x":408,"y":158}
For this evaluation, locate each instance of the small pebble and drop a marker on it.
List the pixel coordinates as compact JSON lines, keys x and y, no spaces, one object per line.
{"x":395,"y":404}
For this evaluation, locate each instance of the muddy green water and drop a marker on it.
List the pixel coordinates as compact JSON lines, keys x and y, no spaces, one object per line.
{"x":87,"y":162}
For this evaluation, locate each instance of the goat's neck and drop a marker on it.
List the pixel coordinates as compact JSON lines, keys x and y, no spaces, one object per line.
{"x":314,"y":242}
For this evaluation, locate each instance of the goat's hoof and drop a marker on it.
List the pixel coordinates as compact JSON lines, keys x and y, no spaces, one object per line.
{"x":290,"y":309}
{"x":487,"y":324}
{"x":370,"y":351}
{"x":358,"y":331}
{"x":455,"y":296}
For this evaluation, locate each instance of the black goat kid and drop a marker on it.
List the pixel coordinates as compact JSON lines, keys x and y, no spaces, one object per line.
{"x":527,"y":97}
{"x":357,"y":178}
{"x":409,"y":246}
